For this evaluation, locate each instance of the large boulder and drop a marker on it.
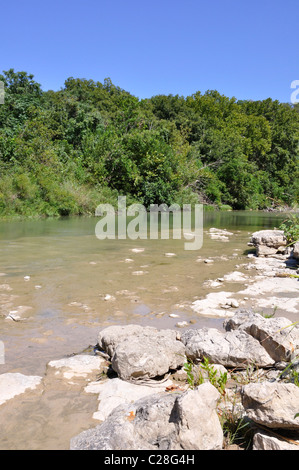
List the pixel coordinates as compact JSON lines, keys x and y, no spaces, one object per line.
{"x":269,"y":243}
{"x":164,"y":421}
{"x":142,"y":352}
{"x":272,"y":404}
{"x":198,"y":423}
{"x":269,"y":238}
{"x":110,"y":337}
{"x":279,"y":336}
{"x":136,"y":426}
{"x":231,"y":349}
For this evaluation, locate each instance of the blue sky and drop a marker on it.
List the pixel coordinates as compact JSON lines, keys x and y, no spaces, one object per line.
{"x":246,"y":49}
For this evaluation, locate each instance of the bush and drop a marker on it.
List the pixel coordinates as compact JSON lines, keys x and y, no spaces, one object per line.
{"x":291,"y":228}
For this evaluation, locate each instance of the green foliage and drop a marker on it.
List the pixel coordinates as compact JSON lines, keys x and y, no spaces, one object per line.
{"x":216,"y":379}
{"x":291,"y":228}
{"x":205,"y":371}
{"x":188,"y":368}
{"x":236,"y":429}
{"x":291,"y":373}
{"x":64,"y":152}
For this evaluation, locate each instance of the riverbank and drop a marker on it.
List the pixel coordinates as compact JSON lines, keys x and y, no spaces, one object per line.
{"x":266,"y":287}
{"x":112,"y":199}
{"x":270,"y":280}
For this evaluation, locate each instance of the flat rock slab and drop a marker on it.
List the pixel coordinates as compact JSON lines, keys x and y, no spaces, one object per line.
{"x":212,"y":305}
{"x":79,"y":366}
{"x":13,"y":384}
{"x":138,"y":351}
{"x":115,"y":392}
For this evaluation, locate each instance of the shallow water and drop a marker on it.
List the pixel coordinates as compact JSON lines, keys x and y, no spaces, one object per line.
{"x":64,"y":304}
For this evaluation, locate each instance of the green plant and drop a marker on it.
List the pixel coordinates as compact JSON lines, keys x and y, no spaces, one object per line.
{"x":196,"y":376}
{"x":214,"y":377}
{"x":236,"y":429}
{"x":250,"y":374}
{"x":295,"y":377}
{"x":290,"y":373}
{"x":290,"y":226}
{"x":269,"y":315}
{"x":235,"y":425}
{"x":188,"y":368}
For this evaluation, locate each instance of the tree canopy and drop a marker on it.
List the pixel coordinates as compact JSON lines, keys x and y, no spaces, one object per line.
{"x":64,"y":152}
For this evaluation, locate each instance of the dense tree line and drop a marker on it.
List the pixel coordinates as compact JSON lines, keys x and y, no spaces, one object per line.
{"x":64,"y":152}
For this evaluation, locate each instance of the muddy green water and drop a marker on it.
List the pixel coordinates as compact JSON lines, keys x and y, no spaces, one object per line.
{"x":79,"y":284}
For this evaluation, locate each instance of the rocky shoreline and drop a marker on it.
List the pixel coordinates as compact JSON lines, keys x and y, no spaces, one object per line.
{"x":179,"y":389}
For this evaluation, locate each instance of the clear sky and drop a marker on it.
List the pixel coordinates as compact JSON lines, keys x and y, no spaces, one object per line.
{"x":247,"y":49}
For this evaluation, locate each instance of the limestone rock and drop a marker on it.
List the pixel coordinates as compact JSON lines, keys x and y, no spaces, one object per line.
{"x":264,"y":250}
{"x":115,"y":392}
{"x":138,"y":426}
{"x":164,"y":421}
{"x":279,"y":336}
{"x":232,"y":349}
{"x":270,"y":238}
{"x":199,"y":426}
{"x":272,"y":404}
{"x":79,"y":366}
{"x":212,"y":304}
{"x":265,"y":441}
{"x":13,"y":384}
{"x":138,"y":351}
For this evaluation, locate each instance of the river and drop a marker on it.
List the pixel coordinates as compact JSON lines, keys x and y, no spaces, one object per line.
{"x":60,"y":285}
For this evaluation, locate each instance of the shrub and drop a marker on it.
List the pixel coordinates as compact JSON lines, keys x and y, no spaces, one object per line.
{"x":290,"y":226}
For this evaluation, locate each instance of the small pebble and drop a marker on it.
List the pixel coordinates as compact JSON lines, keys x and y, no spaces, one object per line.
{"x":181,"y":324}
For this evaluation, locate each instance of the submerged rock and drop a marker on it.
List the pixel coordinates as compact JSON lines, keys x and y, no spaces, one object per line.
{"x":13,"y":384}
{"x":78,"y":366}
{"x":212,"y":304}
